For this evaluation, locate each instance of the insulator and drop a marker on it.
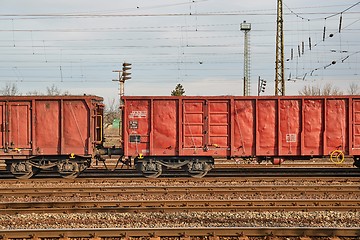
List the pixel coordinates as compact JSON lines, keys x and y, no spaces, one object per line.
{"x":340,"y":23}
{"x":302,"y":47}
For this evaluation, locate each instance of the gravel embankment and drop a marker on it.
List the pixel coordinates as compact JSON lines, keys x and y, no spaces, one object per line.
{"x":167,"y":220}
{"x":153,"y":220}
{"x":179,"y":197}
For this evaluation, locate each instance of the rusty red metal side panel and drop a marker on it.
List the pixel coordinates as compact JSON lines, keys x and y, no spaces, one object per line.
{"x":76,"y":127}
{"x":137,"y":122}
{"x":2,"y":125}
{"x":266,"y":127}
{"x":64,"y":126}
{"x":290,"y":127}
{"x":170,"y":126}
{"x":244,"y":125}
{"x":43,"y":125}
{"x":313,"y":111}
{"x":206,"y":127}
{"x":193,"y":126}
{"x":356,"y":126}
{"x":47,"y":127}
{"x":336,"y":127}
{"x":165,"y":131}
{"x":241,"y":126}
{"x":19,"y":124}
{"x":218,"y":139}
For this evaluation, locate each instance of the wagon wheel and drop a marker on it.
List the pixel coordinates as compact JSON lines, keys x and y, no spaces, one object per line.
{"x":151,"y":169}
{"x":198,"y":169}
{"x":21,"y":169}
{"x":357,"y":162}
{"x":68,"y":169}
{"x":36,"y":170}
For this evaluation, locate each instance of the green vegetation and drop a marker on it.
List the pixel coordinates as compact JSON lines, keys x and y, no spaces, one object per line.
{"x":178,"y":91}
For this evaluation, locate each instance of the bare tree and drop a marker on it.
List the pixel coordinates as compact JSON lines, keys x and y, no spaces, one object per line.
{"x":10,"y":89}
{"x":310,"y":91}
{"x":329,"y":89}
{"x":34,"y":93}
{"x":326,"y":90}
{"x":53,"y":90}
{"x":354,"y":89}
{"x":111,"y":112}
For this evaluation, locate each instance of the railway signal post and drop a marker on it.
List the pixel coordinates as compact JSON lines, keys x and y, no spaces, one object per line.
{"x":124,"y":75}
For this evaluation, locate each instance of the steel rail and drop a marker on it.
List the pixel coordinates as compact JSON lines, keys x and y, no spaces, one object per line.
{"x":276,"y":171}
{"x":181,"y":206}
{"x":13,"y":183}
{"x":211,"y":233}
{"x":87,"y":191}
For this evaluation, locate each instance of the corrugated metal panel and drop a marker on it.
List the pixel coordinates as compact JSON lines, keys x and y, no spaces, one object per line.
{"x":19,"y":125}
{"x":356,"y":126}
{"x":165,"y":132}
{"x":242,"y":126}
{"x":2,"y":125}
{"x":194,"y":124}
{"x":313,"y":111}
{"x":290,"y":127}
{"x":137,"y":127}
{"x":336,"y":125}
{"x":266,"y":132}
{"x":45,"y":125}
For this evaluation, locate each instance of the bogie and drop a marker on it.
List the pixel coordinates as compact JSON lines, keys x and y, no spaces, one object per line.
{"x":357,"y":161}
{"x":198,"y":169}
{"x":67,"y":168}
{"x":21,"y":169}
{"x":153,"y":167}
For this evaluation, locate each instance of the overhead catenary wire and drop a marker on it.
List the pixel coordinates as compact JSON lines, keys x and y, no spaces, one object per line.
{"x":325,"y":36}
{"x":299,"y":15}
{"x":88,"y":50}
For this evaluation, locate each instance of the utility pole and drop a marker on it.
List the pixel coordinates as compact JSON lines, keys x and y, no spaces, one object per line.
{"x":246,"y":27}
{"x":279,"y":62}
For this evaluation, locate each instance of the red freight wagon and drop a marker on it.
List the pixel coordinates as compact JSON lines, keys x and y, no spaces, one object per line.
{"x":41,"y":132}
{"x":189,"y":132}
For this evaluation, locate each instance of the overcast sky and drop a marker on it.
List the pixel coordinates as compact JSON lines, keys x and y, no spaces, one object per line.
{"x":75,"y":45}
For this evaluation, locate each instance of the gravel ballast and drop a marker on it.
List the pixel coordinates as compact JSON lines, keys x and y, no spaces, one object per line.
{"x":174,"y":220}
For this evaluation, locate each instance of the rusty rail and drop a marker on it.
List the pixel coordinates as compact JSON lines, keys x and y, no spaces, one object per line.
{"x":181,"y":206}
{"x":13,"y":183}
{"x":274,"y":171}
{"x":158,"y":190}
{"x":179,"y":233}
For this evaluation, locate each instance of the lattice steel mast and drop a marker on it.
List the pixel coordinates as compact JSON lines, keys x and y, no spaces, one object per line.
{"x":279,"y":62}
{"x":246,"y":27}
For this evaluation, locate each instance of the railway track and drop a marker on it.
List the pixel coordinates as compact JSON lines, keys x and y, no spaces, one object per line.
{"x":181,"y":202}
{"x":116,"y":191}
{"x":229,"y":197}
{"x":39,"y":183}
{"x":217,"y":172}
{"x":180,"y":206}
{"x":183,"y":233}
